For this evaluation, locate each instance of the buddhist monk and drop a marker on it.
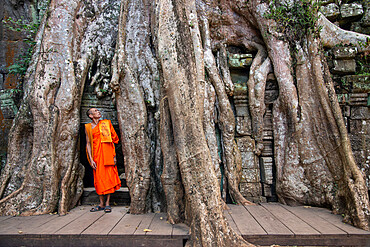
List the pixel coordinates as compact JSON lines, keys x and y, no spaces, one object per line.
{"x":100,"y":139}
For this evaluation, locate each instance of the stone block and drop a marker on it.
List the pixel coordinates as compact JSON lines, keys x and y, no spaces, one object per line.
{"x":267,"y":190}
{"x":360,"y":113}
{"x":7,"y":104}
{"x":241,"y":106}
{"x":250,"y":190}
{"x":268,"y":134}
{"x":359,"y":134}
{"x":359,"y":143}
{"x":245,"y":144}
{"x":330,"y":11}
{"x":344,"y":66}
{"x":267,"y":160}
{"x":243,"y":126}
{"x":365,"y":21}
{"x":351,"y":10}
{"x":358,"y":99}
{"x":257,"y":199}
{"x":343,"y":98}
{"x":360,"y":127}
{"x":267,"y":120}
{"x":268,"y":149}
{"x":362,"y":159}
{"x":240,"y":60}
{"x":346,"y":110}
{"x":357,"y":83}
{"x":250,"y":175}
{"x":344,"y":52}
{"x":249,"y":160}
{"x":267,"y":175}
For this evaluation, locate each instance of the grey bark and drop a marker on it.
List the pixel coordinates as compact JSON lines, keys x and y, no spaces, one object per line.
{"x":50,"y":176}
{"x":134,"y":76}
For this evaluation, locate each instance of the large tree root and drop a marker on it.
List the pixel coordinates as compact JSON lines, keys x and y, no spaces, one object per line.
{"x":260,"y":68}
{"x":311,"y":142}
{"x":332,"y":35}
{"x":52,"y":99}
{"x":171,"y":178}
{"x":355,"y":190}
{"x":208,"y":224}
{"x":209,"y":126}
{"x":226,"y":121}
{"x":131,"y":83}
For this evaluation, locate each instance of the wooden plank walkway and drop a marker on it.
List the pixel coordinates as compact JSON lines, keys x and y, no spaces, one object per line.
{"x":266,"y":224}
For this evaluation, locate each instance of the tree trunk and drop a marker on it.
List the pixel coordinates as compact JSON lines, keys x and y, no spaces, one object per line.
{"x":208,"y":224}
{"x":135,"y":75}
{"x":46,"y":174}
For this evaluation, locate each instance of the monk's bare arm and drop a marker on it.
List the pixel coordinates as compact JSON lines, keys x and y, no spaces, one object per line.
{"x":88,"y":148}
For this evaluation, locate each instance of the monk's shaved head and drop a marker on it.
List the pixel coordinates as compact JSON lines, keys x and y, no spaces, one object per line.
{"x":88,"y":113}
{"x":93,"y":111}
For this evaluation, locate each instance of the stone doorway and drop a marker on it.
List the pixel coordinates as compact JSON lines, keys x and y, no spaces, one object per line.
{"x":108,"y":110}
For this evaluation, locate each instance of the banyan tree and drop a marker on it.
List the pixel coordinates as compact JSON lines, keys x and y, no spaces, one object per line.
{"x":164,"y":64}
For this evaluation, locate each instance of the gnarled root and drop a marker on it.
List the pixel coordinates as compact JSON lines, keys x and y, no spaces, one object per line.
{"x":260,"y":68}
{"x":356,"y":192}
{"x":226,"y":122}
{"x":170,"y":178}
{"x":332,"y":35}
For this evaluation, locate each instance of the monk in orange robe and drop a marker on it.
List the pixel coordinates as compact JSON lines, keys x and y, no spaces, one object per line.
{"x":100,"y":139}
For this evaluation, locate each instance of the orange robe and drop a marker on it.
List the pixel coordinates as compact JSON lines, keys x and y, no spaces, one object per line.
{"x":106,"y":179}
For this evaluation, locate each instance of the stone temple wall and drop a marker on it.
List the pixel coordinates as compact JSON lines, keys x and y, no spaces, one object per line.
{"x":11,"y":47}
{"x":257,"y":183}
{"x":350,"y":69}
{"x":351,"y":73}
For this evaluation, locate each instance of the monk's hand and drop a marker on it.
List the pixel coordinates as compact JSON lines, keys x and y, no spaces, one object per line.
{"x":115,"y":160}
{"x":93,"y":165}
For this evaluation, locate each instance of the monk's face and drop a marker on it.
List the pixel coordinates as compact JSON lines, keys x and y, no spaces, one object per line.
{"x":95,"y":113}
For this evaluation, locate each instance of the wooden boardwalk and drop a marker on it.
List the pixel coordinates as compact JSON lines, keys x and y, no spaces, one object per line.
{"x":264,"y":224}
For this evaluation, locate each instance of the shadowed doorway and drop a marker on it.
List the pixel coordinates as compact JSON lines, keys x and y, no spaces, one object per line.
{"x":108,"y":111}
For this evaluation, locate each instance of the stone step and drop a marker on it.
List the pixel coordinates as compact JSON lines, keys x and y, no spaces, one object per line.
{"x":121,"y":197}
